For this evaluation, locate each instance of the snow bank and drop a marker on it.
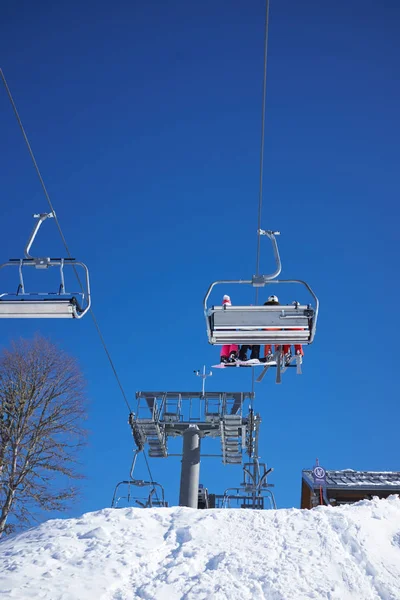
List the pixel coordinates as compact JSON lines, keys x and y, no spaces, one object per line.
{"x":349,"y":552}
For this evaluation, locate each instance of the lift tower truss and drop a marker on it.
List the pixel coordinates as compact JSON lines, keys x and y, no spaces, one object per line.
{"x":161,"y":415}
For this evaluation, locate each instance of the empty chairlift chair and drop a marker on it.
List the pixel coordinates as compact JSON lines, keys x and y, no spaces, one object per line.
{"x":57,"y":304}
{"x":291,"y":324}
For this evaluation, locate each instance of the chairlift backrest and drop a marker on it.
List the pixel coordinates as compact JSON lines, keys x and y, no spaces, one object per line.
{"x":261,"y":324}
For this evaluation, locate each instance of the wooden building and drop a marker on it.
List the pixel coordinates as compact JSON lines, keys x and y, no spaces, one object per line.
{"x":346,"y":487}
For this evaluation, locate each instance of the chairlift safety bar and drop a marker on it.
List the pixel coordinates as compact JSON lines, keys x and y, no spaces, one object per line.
{"x":39,"y":304}
{"x":35,"y":305}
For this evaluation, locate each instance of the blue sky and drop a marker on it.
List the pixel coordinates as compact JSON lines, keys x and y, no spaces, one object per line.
{"x":145,"y":121}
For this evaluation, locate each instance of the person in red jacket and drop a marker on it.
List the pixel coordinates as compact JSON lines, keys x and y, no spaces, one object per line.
{"x":298,"y":348}
{"x":229,"y":352}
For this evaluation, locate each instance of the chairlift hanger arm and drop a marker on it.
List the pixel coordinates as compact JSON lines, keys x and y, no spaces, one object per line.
{"x":264,"y":477}
{"x":42,"y":217}
{"x":257,"y":280}
{"x":272,"y":236}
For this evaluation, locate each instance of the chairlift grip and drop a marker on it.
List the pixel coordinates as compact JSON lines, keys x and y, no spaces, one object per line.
{"x":268,"y":232}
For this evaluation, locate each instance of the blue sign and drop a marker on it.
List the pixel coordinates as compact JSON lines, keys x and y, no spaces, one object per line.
{"x":319,"y":475}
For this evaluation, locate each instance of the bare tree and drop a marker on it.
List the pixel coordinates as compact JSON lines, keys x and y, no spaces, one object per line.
{"x":42,"y":408}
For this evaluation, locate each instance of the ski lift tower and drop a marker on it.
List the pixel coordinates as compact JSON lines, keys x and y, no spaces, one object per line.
{"x":254,"y":491}
{"x":193,"y":416}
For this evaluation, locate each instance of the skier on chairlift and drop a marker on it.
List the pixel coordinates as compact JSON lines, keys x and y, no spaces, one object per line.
{"x":229,"y":352}
{"x":255,"y":352}
{"x":298,"y":348}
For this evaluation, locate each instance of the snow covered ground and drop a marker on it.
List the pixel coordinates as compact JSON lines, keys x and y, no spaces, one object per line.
{"x":350,"y":552}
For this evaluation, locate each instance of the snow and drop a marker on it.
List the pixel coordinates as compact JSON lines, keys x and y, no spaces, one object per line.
{"x":334,"y":553}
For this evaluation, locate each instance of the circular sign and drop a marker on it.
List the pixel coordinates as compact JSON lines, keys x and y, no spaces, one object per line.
{"x":319,"y":472}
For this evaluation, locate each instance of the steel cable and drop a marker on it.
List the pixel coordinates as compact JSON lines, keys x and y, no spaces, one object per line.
{"x":262,"y":146}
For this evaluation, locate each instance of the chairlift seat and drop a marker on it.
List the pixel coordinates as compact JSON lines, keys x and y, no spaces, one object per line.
{"x":291,"y":324}
{"x":33,"y":309}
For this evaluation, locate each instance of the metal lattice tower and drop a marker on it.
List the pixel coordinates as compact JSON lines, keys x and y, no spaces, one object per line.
{"x":195,"y":416}
{"x":161,"y":415}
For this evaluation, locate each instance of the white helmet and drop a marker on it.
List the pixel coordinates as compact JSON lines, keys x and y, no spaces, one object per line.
{"x":273,"y":299}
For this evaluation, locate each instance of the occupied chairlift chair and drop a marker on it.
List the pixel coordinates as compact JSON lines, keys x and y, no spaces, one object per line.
{"x":59,"y":305}
{"x":293,"y":324}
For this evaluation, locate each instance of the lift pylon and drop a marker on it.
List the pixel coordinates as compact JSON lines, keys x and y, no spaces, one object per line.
{"x":193,"y":416}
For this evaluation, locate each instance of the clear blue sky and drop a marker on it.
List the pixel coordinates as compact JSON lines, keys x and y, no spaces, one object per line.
{"x":145,"y":121}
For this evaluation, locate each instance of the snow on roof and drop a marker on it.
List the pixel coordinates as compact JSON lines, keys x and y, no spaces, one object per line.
{"x":348,"y":478}
{"x":348,"y":552}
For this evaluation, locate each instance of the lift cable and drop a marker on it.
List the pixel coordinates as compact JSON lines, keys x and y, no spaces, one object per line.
{"x":262,"y":146}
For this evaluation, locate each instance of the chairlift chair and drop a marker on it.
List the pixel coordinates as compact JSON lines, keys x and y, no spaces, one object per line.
{"x":291,"y":324}
{"x":60,"y":304}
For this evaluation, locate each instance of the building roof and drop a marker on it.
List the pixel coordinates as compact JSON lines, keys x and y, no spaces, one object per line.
{"x":379,"y":480}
